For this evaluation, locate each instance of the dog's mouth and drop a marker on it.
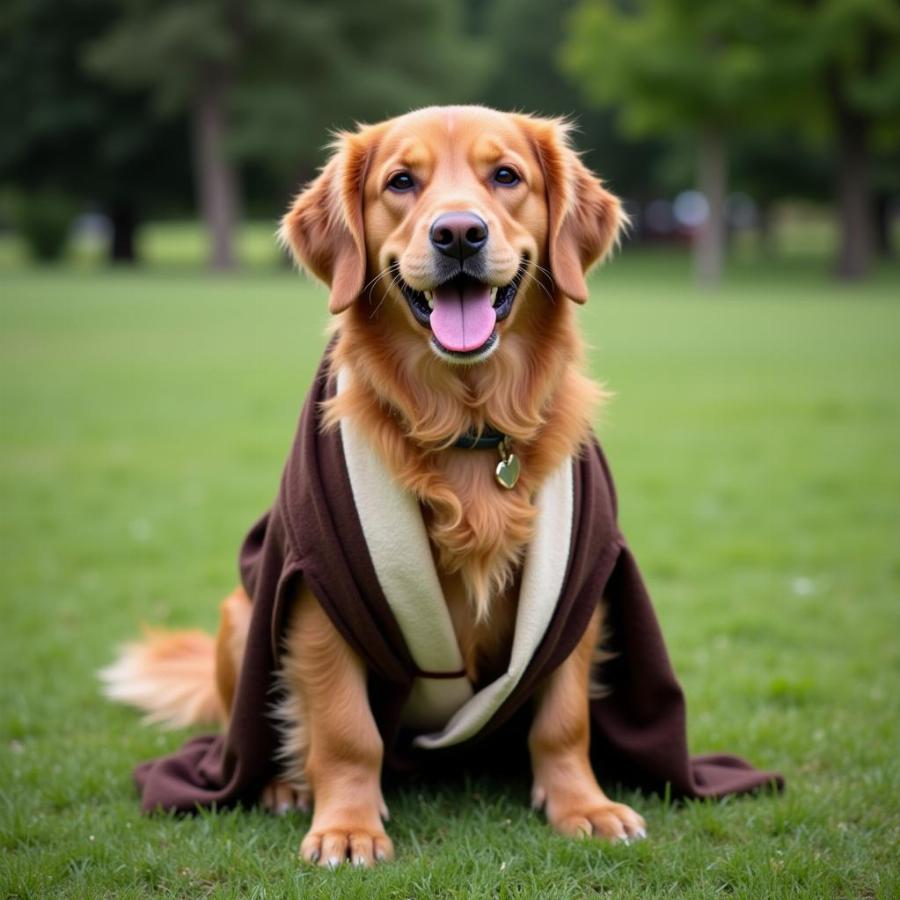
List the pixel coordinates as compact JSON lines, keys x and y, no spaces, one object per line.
{"x":462,"y":313}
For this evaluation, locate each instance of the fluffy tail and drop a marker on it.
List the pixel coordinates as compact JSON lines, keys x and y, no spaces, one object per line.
{"x":170,"y":675}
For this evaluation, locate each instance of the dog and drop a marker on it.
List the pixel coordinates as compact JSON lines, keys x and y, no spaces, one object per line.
{"x":454,"y":242}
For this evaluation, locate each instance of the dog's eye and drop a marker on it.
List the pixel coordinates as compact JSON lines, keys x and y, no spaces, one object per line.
{"x":401,"y":182}
{"x":506,"y":176}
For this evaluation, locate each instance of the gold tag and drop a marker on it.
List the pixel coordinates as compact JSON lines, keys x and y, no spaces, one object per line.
{"x":507,"y":471}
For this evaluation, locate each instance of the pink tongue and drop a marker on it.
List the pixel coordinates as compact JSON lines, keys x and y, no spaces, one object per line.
{"x":463,"y":318}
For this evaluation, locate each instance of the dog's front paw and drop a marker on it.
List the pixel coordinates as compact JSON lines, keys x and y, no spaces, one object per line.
{"x":592,"y":815}
{"x":610,"y":821}
{"x":331,"y":846}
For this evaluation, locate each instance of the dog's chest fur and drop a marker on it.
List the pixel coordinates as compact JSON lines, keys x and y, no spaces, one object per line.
{"x":485,"y":643}
{"x":481,"y":533}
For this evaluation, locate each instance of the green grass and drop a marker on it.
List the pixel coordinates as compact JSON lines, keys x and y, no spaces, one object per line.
{"x":755,"y":436}
{"x":180,"y":244}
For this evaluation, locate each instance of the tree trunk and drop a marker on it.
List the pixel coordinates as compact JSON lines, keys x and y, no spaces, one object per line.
{"x":214,"y":174}
{"x":709,"y":242}
{"x":124,"y":221}
{"x":854,"y":201}
{"x":765,"y":229}
{"x":884,"y":220}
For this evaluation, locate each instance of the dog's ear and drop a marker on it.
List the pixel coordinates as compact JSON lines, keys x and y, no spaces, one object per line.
{"x":324,"y":226}
{"x":584,"y":218}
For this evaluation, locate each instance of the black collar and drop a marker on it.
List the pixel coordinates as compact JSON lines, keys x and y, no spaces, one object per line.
{"x":489,"y":439}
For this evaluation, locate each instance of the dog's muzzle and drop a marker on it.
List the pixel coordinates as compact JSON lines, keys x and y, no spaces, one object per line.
{"x":462,"y":312}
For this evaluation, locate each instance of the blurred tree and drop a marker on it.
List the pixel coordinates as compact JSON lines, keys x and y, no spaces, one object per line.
{"x":67,"y":139}
{"x":845,"y":56}
{"x":729,"y":72}
{"x":887,"y":201}
{"x":777,"y":165}
{"x":677,"y":67}
{"x":263,"y":81}
{"x":186,"y":54}
{"x":43,"y":218}
{"x":311,"y":69}
{"x":524,"y":71}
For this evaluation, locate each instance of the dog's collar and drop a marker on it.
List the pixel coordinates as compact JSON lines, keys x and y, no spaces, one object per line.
{"x":507,"y":470}
{"x":488,"y":439}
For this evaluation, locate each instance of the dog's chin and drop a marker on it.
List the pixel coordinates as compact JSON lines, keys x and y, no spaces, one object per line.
{"x":468,"y":357}
{"x":462,"y":314}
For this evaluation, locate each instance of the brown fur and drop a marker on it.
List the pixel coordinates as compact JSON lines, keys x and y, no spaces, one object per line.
{"x":234,"y":622}
{"x":350,"y":232}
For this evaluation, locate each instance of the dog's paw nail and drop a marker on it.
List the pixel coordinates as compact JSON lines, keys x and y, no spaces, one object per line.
{"x":641,"y":833}
{"x":334,"y":862}
{"x":314,"y":856}
{"x":283,"y":807}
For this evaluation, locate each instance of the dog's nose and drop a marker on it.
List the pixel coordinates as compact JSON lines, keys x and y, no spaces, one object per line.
{"x":459,"y":234}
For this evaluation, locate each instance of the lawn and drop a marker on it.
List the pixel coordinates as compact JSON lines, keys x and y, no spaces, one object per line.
{"x":755,"y":436}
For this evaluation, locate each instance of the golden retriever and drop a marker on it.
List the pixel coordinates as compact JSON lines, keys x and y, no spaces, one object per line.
{"x":453,"y":240}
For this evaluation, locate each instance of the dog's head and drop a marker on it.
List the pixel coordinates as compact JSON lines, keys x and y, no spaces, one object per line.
{"x":450,"y":220}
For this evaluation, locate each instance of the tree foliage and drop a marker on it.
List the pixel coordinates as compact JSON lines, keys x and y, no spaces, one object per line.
{"x":748,"y":65}
{"x":298,"y":69}
{"x":751,"y":70}
{"x":264,"y":82}
{"x":63,"y":130}
{"x":671,"y":65}
{"x":524,"y":71}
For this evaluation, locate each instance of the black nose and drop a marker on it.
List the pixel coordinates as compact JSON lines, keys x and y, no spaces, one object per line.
{"x":459,"y":234}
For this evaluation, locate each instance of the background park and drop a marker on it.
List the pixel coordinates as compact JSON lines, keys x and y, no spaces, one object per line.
{"x":155,"y":347}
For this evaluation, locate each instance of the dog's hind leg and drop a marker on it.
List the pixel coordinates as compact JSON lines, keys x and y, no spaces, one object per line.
{"x":231,"y":639}
{"x":283,"y":794}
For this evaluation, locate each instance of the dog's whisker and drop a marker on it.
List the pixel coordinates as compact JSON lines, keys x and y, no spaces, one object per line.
{"x":545,"y":271}
{"x":373,"y":281}
{"x":368,"y":288}
{"x":394,"y":282}
{"x":540,"y":284}
{"x":547,"y":289}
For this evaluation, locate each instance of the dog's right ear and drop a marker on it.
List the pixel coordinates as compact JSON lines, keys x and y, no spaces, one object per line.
{"x":324,"y":226}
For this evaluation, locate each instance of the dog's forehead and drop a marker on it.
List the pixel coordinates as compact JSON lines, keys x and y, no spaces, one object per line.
{"x":466,"y":133}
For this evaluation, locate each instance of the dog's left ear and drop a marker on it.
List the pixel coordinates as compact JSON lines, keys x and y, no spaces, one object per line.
{"x":584,"y":218}
{"x":324,"y":226}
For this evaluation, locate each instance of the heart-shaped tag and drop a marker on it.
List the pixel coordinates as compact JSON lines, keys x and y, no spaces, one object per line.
{"x":507,"y":471}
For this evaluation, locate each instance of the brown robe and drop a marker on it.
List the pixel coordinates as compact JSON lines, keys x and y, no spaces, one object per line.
{"x":312,"y":532}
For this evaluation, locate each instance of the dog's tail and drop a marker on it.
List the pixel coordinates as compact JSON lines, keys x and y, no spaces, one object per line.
{"x":170,"y":676}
